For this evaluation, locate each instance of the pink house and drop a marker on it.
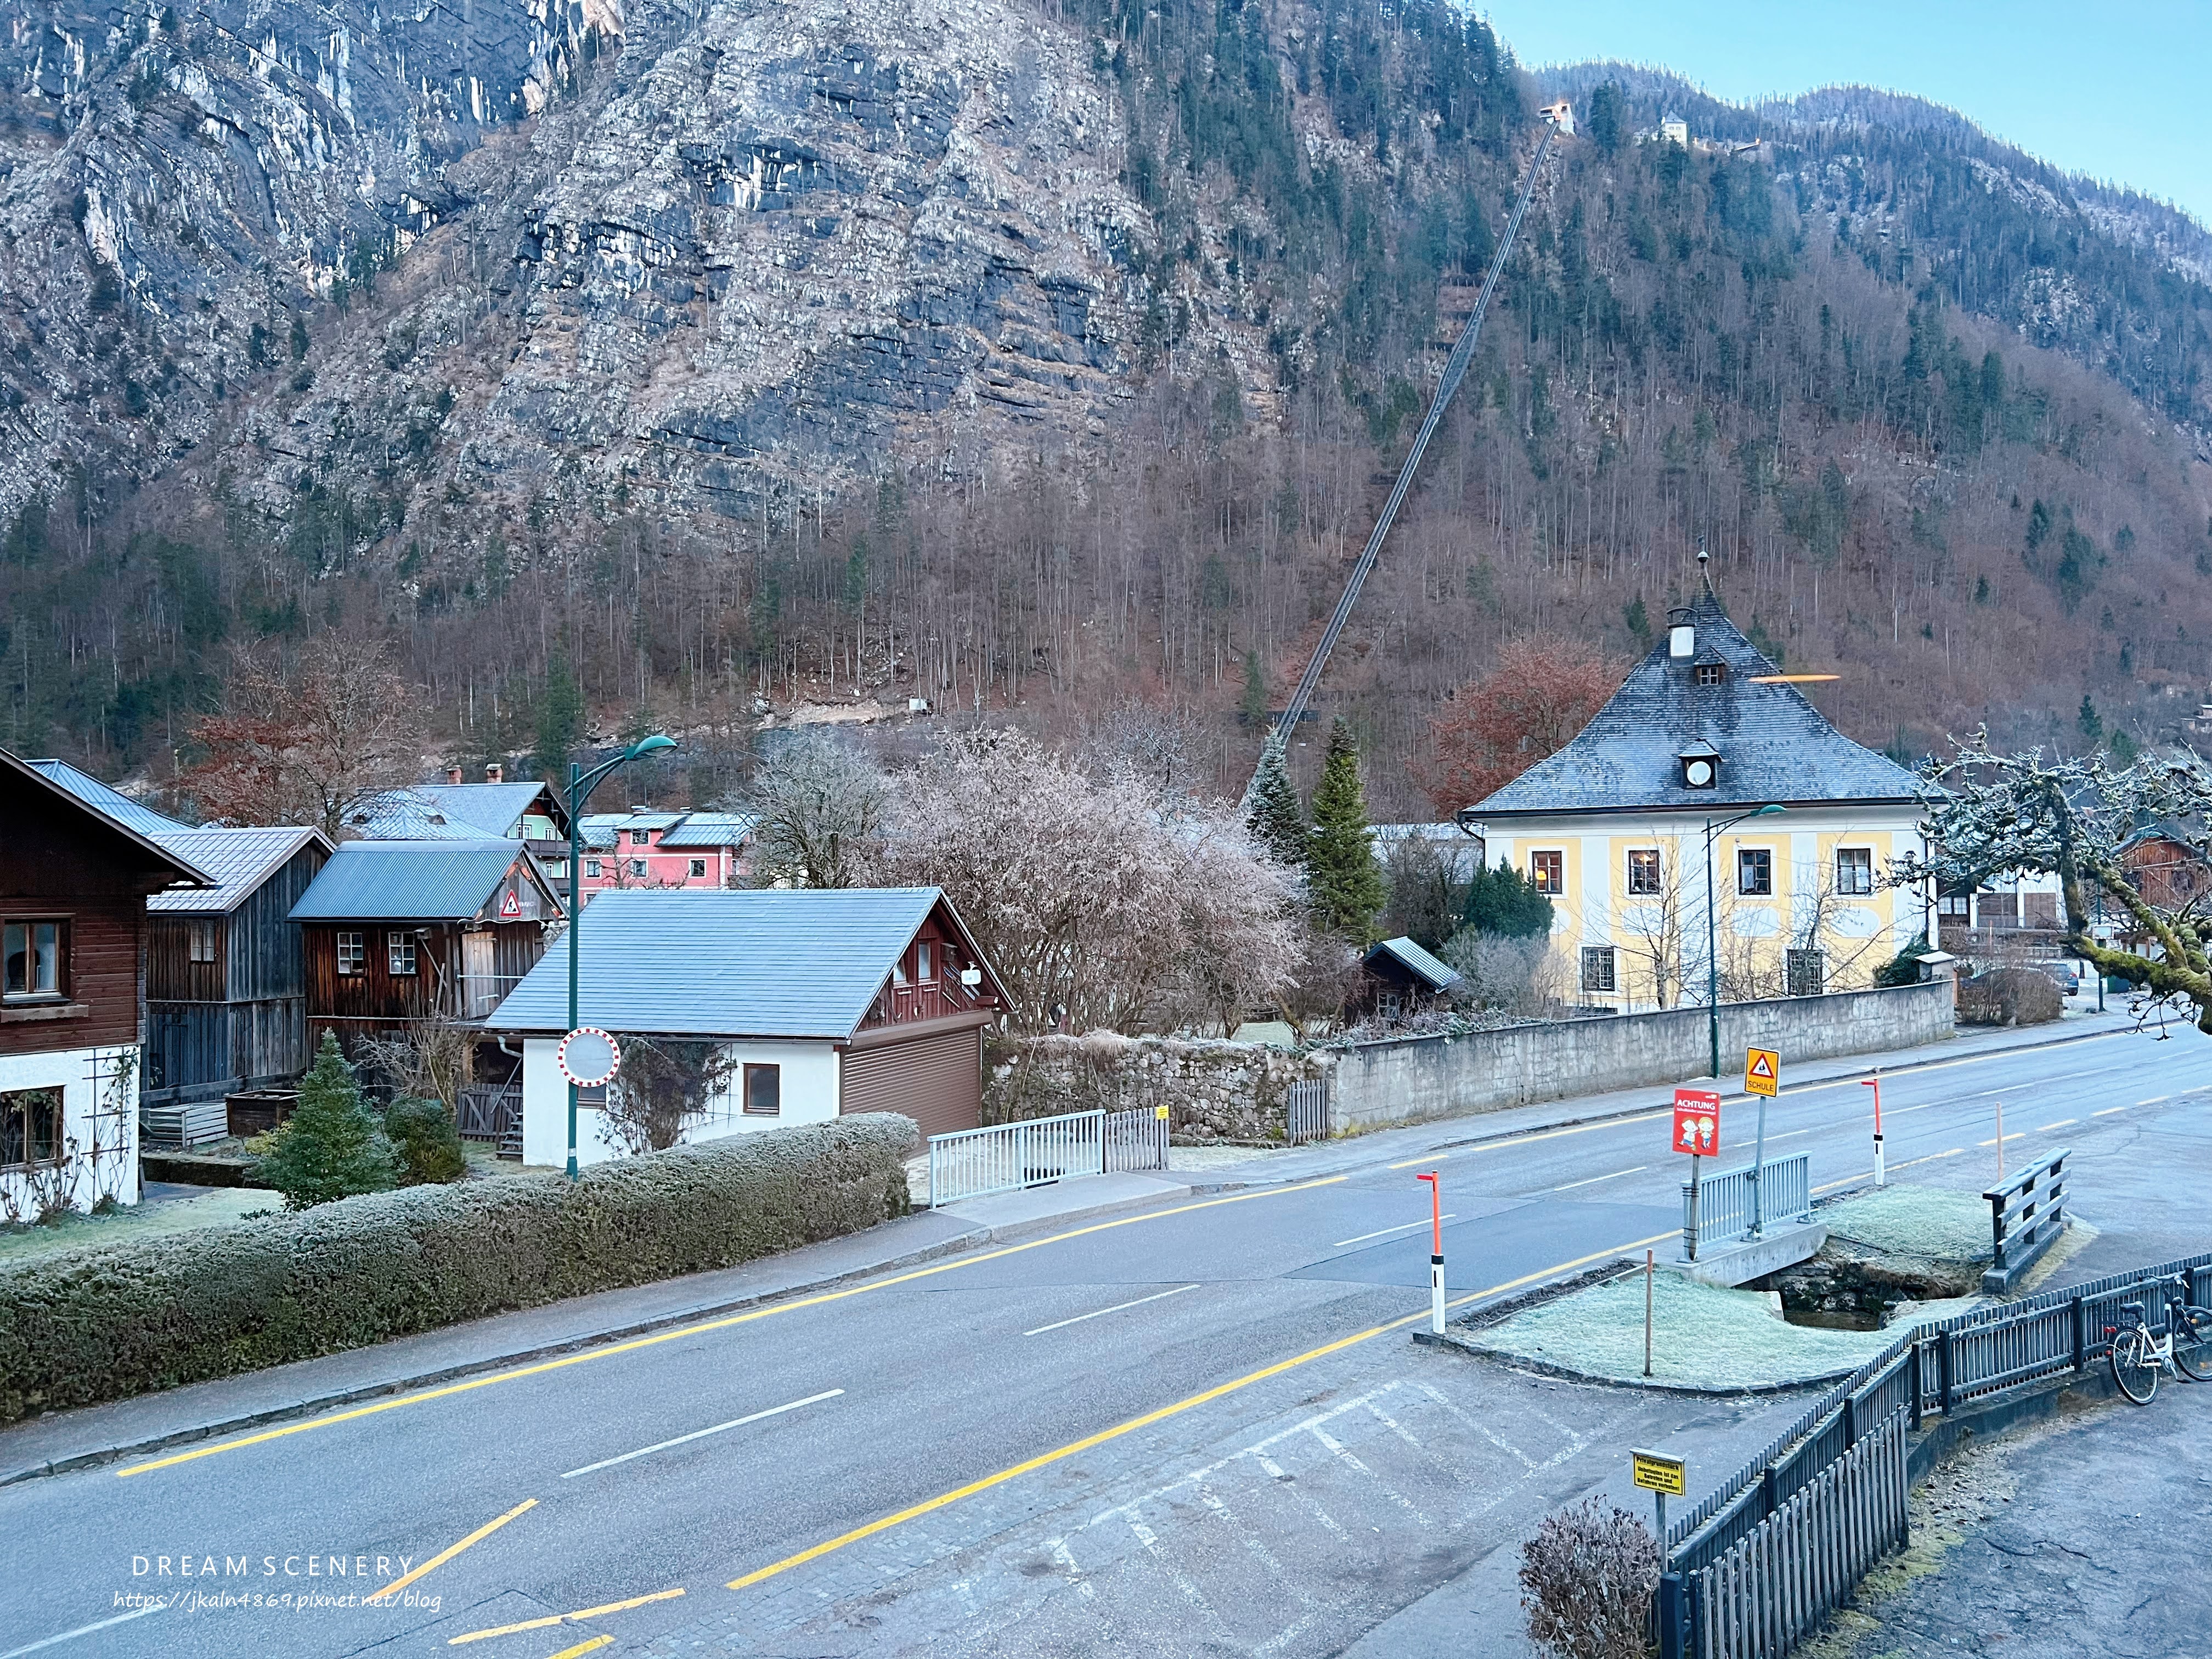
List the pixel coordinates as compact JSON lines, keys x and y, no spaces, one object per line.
{"x":643,"y":849}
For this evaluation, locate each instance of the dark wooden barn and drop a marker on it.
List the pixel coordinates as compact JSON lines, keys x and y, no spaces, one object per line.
{"x":396,"y":930}
{"x":226,"y":973}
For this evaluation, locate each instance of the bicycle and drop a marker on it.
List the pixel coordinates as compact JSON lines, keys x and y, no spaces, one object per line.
{"x":2138,"y":1358}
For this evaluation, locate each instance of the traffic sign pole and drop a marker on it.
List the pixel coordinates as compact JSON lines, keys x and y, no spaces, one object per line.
{"x":1435,"y":1252}
{"x":1762,"y":1076}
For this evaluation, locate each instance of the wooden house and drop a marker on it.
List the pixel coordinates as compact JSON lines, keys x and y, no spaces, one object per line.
{"x":822,"y":1002}
{"x":1398,"y":979}
{"x":395,"y":931}
{"x":74,"y":881}
{"x":225,"y":976}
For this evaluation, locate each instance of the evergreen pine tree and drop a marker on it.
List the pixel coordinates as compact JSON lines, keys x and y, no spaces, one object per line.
{"x":1346,"y":888}
{"x":331,"y":1146}
{"x":2090,"y":722}
{"x":1276,"y":820}
{"x":1253,"y":710}
{"x":560,"y":718}
{"x":1503,"y":901}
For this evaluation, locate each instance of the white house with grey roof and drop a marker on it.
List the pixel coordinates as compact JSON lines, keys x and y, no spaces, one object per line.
{"x":823,"y":1001}
{"x":1618,"y":827}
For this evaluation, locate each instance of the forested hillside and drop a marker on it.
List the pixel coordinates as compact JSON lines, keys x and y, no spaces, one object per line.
{"x":1071,"y":371}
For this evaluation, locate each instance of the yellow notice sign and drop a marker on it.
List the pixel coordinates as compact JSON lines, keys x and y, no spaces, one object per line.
{"x":1657,"y":1471}
{"x":1159,"y":1111}
{"x":1762,"y":1072}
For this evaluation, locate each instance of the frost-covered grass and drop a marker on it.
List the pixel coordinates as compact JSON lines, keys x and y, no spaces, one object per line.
{"x":1914,"y":1221}
{"x":1702,"y":1336}
{"x":151,"y":1220}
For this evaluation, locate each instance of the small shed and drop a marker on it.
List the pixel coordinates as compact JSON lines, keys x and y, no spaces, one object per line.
{"x":396,"y":930}
{"x":1399,"y":979}
{"x":226,"y":980}
{"x":824,"y":1002}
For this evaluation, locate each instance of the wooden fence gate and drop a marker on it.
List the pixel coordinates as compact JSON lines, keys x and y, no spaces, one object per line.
{"x":1783,"y":1577}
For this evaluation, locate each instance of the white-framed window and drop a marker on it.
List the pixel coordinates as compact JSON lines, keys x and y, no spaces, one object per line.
{"x":1711,"y":673}
{"x":641,"y":837}
{"x":1755,"y":871}
{"x":924,"y":963}
{"x":637,"y":868}
{"x":1643,"y":870}
{"x":399,"y":952}
{"x":201,"y":944}
{"x":32,"y":952}
{"x":1548,"y":871}
{"x":698,"y":868}
{"x":353,"y":950}
{"x":1598,"y":968}
{"x":1807,"y":971}
{"x":1854,"y":871}
{"x":591,"y":868}
{"x":1958,"y":906}
{"x":763,"y":1090}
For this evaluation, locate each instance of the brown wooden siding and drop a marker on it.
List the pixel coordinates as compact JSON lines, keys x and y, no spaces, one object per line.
{"x":376,"y":999}
{"x":172,"y":976}
{"x":941,"y":995}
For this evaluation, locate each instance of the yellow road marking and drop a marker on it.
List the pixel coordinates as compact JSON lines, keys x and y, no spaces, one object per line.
{"x":2062,"y":1123}
{"x":444,"y":1556}
{"x":678,"y":1332}
{"x":2109,"y":1111}
{"x":565,"y":1618}
{"x":2017,"y":1134}
{"x":1090,"y":1442}
{"x":1930,"y":1159}
{"x":1831,"y":1185}
{"x":1523,"y":1140}
{"x":595,"y":1644}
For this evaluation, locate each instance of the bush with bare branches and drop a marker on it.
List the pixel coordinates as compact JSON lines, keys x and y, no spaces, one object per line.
{"x":1586,"y":1579}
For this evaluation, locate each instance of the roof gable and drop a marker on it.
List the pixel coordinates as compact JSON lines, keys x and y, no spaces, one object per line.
{"x":1435,"y":975}
{"x":108,"y":799}
{"x":165,"y":868}
{"x":803,"y":963}
{"x":238,"y":859}
{"x":1773,"y":744}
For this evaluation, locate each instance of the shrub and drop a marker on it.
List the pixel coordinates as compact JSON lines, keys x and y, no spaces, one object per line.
{"x":103,"y":1323}
{"x":429,"y":1146}
{"x":331,"y":1146}
{"x":2009,"y":996}
{"x":1586,"y":1578}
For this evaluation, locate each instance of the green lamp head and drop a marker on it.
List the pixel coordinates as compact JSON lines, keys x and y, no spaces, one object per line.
{"x":655,"y":743}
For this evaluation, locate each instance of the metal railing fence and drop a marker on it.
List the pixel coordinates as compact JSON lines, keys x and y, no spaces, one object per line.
{"x":1935,"y":1367}
{"x":1006,"y":1157}
{"x":1778,"y":1581}
{"x":1305,"y":1110}
{"x":1134,"y":1142}
{"x":1721,"y":1207}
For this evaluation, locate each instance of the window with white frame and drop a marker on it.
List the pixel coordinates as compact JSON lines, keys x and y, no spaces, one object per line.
{"x":637,"y":868}
{"x":1755,"y":871}
{"x":640,"y":838}
{"x":592,"y":869}
{"x":698,"y":868}
{"x":1643,"y":870}
{"x":1548,"y":871}
{"x":1598,"y":968}
{"x":1854,"y":871}
{"x":33,"y":951}
{"x":399,"y":952}
{"x":353,"y":951}
{"x":924,"y":967}
{"x":201,"y":943}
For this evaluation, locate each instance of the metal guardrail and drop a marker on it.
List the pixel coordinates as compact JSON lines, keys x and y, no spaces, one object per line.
{"x":1007,"y":1158}
{"x":1935,"y":1367}
{"x":1720,"y":1205}
{"x":1777,"y":1583}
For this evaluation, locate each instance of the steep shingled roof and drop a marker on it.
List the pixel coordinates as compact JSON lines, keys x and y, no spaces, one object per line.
{"x":1774,"y":745}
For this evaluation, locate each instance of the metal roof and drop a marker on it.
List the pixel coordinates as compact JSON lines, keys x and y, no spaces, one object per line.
{"x":1437,"y":975}
{"x":409,"y":881}
{"x":176,"y":864}
{"x":1774,"y":745}
{"x":700,"y":961}
{"x":496,"y":809}
{"x":113,"y":802}
{"x":710,"y":829}
{"x":408,"y":815}
{"x":238,"y":859}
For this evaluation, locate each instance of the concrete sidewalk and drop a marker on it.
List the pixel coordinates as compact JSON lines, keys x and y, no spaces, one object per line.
{"x":126,"y":1428}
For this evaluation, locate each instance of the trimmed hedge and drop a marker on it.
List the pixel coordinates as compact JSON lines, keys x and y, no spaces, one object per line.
{"x":105,"y":1323}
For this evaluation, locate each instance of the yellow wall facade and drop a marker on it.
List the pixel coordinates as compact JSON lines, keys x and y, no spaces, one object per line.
{"x":1658,"y":938}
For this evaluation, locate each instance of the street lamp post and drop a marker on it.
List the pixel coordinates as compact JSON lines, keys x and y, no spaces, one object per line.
{"x":580,"y":785}
{"x":1713,"y":829}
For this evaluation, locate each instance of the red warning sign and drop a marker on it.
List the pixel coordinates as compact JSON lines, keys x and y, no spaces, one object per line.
{"x":510,"y":905}
{"x":1696,"y":1122}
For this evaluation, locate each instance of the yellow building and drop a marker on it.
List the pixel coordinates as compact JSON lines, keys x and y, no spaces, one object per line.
{"x":1705,"y":774}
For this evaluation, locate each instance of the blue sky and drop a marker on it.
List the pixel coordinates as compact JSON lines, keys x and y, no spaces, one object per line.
{"x":2119,"y":91}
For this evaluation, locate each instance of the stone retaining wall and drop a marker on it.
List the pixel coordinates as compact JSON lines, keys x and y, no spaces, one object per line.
{"x":1213,"y":1090}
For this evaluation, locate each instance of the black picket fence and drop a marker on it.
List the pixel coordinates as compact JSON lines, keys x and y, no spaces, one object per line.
{"x":1935,"y":1367}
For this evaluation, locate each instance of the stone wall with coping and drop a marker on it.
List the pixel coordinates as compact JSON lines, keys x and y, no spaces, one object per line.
{"x":1213,"y":1090}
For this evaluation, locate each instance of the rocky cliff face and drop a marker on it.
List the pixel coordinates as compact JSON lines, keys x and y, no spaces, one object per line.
{"x":176,"y":187}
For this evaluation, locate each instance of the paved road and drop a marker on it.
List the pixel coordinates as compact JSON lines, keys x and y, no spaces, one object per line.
{"x":1197,"y":1429}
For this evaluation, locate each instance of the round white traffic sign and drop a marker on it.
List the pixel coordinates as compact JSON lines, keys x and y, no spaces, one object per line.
{"x":587,"y":1057}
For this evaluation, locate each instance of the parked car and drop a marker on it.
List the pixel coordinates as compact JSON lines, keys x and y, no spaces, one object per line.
{"x":2069,"y":981}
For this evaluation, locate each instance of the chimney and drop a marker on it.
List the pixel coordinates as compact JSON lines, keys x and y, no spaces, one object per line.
{"x":495,"y":772}
{"x":452,"y":775}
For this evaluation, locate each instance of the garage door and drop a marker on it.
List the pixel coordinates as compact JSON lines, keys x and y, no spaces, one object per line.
{"x":937,"y":1080}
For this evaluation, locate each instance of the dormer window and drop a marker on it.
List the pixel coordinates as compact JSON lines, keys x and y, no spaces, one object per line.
{"x":1710,"y":674}
{"x":1701,"y":768}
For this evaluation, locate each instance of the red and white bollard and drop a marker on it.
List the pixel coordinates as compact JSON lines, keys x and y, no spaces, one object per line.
{"x":1435,"y":1252}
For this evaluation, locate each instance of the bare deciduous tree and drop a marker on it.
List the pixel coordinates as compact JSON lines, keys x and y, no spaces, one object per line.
{"x":821,"y":805}
{"x":426,"y":1060}
{"x":666,"y":1085}
{"x":298,"y":743}
{"x":1586,"y":1579}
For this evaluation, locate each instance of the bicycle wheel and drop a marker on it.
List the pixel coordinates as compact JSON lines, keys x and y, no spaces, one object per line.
{"x":2133,"y":1367}
{"x":2192,"y":1343}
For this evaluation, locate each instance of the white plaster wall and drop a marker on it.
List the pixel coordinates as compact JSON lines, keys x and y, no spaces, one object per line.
{"x":71,"y":1070}
{"x":810,"y":1095}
